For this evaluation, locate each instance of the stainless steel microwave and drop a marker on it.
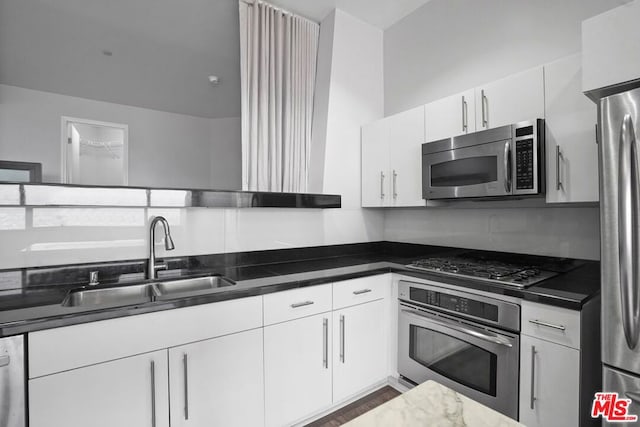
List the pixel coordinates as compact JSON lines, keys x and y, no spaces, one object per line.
{"x":501,"y":162}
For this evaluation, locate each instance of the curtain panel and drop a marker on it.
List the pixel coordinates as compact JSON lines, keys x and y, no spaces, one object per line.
{"x":278,"y":53}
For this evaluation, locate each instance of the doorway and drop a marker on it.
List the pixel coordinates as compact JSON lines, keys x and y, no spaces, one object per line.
{"x":94,"y":152}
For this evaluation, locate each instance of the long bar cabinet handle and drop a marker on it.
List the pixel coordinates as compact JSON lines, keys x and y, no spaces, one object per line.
{"x":342,"y":338}
{"x":153,"y":393}
{"x":185,"y":367}
{"x":533,"y":377}
{"x":547,"y":325}
{"x":325,"y":343}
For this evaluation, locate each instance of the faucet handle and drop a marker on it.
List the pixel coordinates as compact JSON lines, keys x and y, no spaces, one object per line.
{"x":93,"y":278}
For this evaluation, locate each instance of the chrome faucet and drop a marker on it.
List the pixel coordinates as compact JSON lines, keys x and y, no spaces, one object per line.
{"x":168,"y":245}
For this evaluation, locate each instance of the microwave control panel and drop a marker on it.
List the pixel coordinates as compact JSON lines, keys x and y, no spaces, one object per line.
{"x":525,"y":164}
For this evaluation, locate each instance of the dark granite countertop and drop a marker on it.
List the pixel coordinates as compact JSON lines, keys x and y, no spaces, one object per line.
{"x":36,"y":303}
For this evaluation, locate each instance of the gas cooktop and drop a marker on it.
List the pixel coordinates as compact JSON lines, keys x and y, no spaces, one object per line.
{"x":489,"y":270}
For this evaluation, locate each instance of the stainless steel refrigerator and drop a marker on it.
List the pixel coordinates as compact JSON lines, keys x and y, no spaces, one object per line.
{"x":619,"y":122}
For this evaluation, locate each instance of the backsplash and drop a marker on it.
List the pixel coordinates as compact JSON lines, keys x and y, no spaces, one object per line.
{"x":34,"y":237}
{"x":572,"y":232}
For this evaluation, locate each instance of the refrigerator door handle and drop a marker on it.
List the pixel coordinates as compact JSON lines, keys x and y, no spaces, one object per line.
{"x":628,"y":211}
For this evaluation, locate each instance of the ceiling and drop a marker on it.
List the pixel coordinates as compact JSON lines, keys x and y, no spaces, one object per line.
{"x":379,"y":13}
{"x":155,"y":54}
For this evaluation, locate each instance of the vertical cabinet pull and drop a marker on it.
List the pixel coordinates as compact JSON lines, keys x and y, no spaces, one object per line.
{"x":395,"y":179}
{"x":185,"y":367}
{"x":325,"y":343}
{"x":484,"y":101}
{"x":533,"y":376}
{"x":342,"y":338}
{"x":465,"y":112}
{"x":153,"y":393}
{"x":381,"y":184}
{"x":559,"y":158}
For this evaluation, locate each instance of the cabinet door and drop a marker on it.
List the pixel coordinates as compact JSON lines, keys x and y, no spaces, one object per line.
{"x":450,"y":116}
{"x":218,"y":381}
{"x":360,"y":348}
{"x":297,"y":369}
{"x":555,"y":372}
{"x":406,"y":135}
{"x":610,"y":43}
{"x":127,"y":392}
{"x":572,"y":155}
{"x":375,"y":164}
{"x":513,"y":99}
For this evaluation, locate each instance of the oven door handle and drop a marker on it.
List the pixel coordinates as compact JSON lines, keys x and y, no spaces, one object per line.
{"x":495,"y":339}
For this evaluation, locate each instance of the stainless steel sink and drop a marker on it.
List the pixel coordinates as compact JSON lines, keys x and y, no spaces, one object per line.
{"x":190,"y":287}
{"x":143,"y":293}
{"x":116,"y":296}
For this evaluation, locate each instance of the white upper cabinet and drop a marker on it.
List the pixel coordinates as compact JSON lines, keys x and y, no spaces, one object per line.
{"x":572,"y":155}
{"x":610,"y":46}
{"x":406,"y":135}
{"x":392,"y":160}
{"x":510,"y":100}
{"x":375,"y":164}
{"x":450,"y":116}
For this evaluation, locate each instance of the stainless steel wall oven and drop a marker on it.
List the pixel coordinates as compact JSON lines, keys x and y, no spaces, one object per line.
{"x":467,"y":342}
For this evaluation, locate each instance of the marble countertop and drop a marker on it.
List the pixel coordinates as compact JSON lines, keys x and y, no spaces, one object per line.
{"x":434,"y":405}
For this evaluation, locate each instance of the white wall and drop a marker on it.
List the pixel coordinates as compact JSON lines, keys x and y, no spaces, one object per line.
{"x":557,"y":231}
{"x":350,"y":77}
{"x":49,"y":236}
{"x":447,"y":46}
{"x":354,"y":96}
{"x":165,"y":149}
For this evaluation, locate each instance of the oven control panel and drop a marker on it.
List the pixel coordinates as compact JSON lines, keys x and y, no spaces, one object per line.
{"x":458,"y":304}
{"x":482,"y":308}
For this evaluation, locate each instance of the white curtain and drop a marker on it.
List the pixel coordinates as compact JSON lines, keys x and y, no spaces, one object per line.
{"x":278,"y":54}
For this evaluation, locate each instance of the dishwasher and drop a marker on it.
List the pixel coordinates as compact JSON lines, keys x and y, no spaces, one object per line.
{"x":12,"y":382}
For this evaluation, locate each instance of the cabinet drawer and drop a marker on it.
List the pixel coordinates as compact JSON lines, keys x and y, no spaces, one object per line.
{"x":296,"y":303}
{"x":363,"y":289}
{"x":555,"y":324}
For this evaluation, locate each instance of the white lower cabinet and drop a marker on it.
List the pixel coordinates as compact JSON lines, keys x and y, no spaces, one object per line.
{"x":126,"y":392}
{"x":218,"y":382}
{"x":549,"y":384}
{"x":360,"y":348}
{"x":297,"y":375}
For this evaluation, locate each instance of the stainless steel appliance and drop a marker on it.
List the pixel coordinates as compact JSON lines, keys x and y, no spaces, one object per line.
{"x":468,"y":342}
{"x":619,"y":121}
{"x":488,"y":270}
{"x":12,"y":382}
{"x":500,"y":162}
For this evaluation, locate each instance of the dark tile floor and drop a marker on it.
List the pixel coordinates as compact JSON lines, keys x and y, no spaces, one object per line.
{"x":357,"y":408}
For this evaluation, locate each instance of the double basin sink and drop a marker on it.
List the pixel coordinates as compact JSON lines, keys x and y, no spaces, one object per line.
{"x":143,"y":293}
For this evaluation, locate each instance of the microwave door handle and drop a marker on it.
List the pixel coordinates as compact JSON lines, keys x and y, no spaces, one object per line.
{"x":507,"y":166}
{"x":628,"y":211}
{"x":495,"y":339}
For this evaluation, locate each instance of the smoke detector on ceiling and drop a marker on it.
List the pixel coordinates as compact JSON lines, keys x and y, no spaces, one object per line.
{"x":214,"y":80}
